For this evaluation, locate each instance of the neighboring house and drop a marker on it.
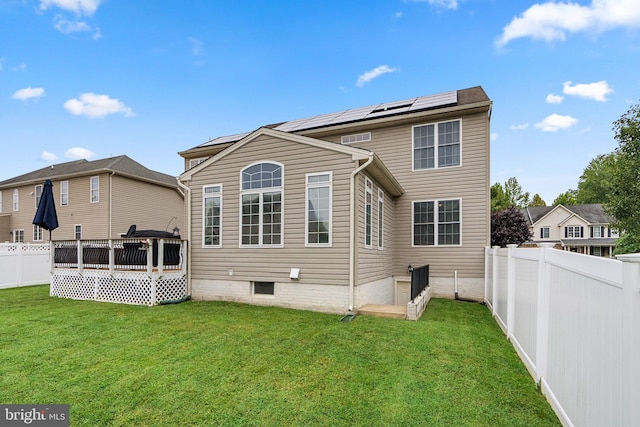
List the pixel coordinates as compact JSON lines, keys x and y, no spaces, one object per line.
{"x":94,"y":200}
{"x":327,"y":213}
{"x":577,"y":228}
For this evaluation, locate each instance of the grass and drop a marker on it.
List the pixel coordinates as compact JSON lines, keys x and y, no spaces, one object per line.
{"x":218,"y":363}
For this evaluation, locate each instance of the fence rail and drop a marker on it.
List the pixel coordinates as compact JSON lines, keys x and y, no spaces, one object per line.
{"x":575,"y":322}
{"x":24,"y":264}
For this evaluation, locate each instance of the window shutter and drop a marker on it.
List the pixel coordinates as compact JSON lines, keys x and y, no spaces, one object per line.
{"x":602,"y":231}
{"x":581,"y":231}
{"x":591,"y":228}
{"x":541,"y":233}
{"x":608,"y":232}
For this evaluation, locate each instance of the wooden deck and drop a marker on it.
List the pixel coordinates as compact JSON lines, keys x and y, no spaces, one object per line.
{"x":388,"y":311}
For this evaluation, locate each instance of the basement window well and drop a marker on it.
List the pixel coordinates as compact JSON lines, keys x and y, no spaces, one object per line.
{"x":263,"y":288}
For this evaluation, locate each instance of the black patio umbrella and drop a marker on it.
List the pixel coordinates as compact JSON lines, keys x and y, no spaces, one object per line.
{"x":46,"y":216}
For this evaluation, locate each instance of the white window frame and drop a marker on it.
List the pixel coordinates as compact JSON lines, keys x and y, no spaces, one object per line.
{"x":600,"y":233}
{"x":195,"y":162}
{"x":380,"y":218}
{"x":368,"y":213}
{"x":94,"y":189}
{"x":0,"y":201}
{"x":77,"y":231}
{"x":436,"y":222}
{"x":614,"y":232}
{"x":212,"y":194}
{"x":261,"y":192}
{"x":64,"y":193}
{"x":436,"y":145}
{"x":571,"y":231}
{"x":356,"y":137}
{"x":38,"y":233}
{"x":18,"y":235}
{"x":542,"y":231}
{"x":16,"y":200}
{"x":319,"y":184}
{"x":37,"y":191}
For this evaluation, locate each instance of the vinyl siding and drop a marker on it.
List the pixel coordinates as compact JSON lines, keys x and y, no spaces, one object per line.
{"x":319,"y":266}
{"x":148,"y":206}
{"x":468,"y":182}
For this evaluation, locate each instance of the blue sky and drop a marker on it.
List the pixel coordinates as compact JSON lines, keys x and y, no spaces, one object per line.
{"x":95,"y":78}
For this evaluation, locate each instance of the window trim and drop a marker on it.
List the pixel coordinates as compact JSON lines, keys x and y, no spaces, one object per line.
{"x":64,"y":193}
{"x":77,"y":228}
{"x":542,"y":230}
{"x":95,"y":189}
{"x":1,"y":207}
{"x":16,"y":200}
{"x":435,"y":202}
{"x":37,"y":189}
{"x":261,"y":294}
{"x":18,"y":231}
{"x":309,"y":186}
{"x":38,"y":233}
{"x":435,"y":146}
{"x":205,"y":196}
{"x":368,"y":215}
{"x":260,"y":192}
{"x":380,"y":218}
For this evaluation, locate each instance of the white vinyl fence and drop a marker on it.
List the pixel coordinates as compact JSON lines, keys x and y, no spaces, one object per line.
{"x":23,"y":264}
{"x":575,"y":322}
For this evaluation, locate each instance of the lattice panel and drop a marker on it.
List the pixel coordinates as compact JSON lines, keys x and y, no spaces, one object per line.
{"x":128,"y":287}
{"x":70,"y":284}
{"x":171,"y":287}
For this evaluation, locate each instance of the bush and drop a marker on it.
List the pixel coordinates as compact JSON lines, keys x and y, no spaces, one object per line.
{"x":509,"y":227}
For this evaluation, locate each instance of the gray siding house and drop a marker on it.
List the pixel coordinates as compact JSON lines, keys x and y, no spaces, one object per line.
{"x":327,"y":213}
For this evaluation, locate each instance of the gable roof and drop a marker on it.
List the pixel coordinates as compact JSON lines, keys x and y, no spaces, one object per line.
{"x":121,"y":165}
{"x":453,"y":98}
{"x":376,"y":168}
{"x":589,"y":213}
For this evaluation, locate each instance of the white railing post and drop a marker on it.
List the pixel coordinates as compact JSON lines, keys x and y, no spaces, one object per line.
{"x":630,"y":338}
{"x":149,"y":257}
{"x":79,"y":245}
{"x":495,"y":280}
{"x":112,"y":258}
{"x":160,"y":256}
{"x":542,"y":316}
{"x":511,"y":294}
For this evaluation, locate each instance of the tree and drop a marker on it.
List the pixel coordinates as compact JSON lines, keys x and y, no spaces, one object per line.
{"x":537,"y":201}
{"x":514,"y":193}
{"x":596,"y":182}
{"x":627,"y":244}
{"x":624,"y":199}
{"x":509,"y":227}
{"x":566,"y":198}
{"x":499,"y":200}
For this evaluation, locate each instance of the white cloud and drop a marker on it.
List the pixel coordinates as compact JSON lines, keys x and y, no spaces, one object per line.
{"x":444,"y":4}
{"x":196,"y":46}
{"x":372,"y":74}
{"x":553,"y":20}
{"x":20,"y":67}
{"x":398,"y":15}
{"x":519,"y":127}
{"x":68,"y":27}
{"x":554,"y":99}
{"x":554,"y":122}
{"x":48,"y":157}
{"x":96,"y":106}
{"x":79,"y":7}
{"x":28,"y":93}
{"x":494,"y":136}
{"x":79,"y":153}
{"x":597,"y":91}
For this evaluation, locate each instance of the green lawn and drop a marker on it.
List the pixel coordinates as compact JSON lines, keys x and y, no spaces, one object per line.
{"x":217,"y":363}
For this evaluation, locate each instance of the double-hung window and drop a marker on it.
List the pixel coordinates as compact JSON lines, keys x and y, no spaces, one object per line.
{"x":77,"y":231}
{"x":368,"y":188}
{"x":37,"y":233}
{"x":574,"y":231}
{"x":95,"y":189}
{"x":597,"y":231}
{"x":64,"y":193}
{"x":318,"y":215}
{"x":38,"y":193}
{"x":436,"y":145}
{"x":436,"y":223}
{"x":212,"y":215}
{"x":261,"y":205}
{"x":18,"y":236}
{"x":544,"y":232}
{"x":16,"y":200}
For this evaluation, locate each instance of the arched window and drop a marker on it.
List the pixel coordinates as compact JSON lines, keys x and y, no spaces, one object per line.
{"x":261,"y":201}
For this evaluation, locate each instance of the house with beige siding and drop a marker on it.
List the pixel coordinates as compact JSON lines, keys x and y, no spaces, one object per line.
{"x":328,"y":213}
{"x":583,"y":229}
{"x":97,"y":199}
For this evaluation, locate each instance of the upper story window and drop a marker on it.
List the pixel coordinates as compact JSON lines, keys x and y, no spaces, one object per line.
{"x":212,"y":215}
{"x":368,"y":195}
{"x":574,"y":231}
{"x":318,"y":215}
{"x":77,"y":231}
{"x":544,"y":232}
{"x":38,"y":193}
{"x":613,"y":232}
{"x":16,"y":200}
{"x":95,"y":189}
{"x":18,"y":236}
{"x":436,"y":145}
{"x":64,"y":193}
{"x":436,"y":223}
{"x":261,"y":201}
{"x":597,"y":231}
{"x":0,"y":201}
{"x":37,"y":233}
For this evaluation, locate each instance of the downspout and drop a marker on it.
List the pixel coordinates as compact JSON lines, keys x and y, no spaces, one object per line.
{"x":352,"y":230}
{"x":187,"y":192}
{"x":111,"y":203}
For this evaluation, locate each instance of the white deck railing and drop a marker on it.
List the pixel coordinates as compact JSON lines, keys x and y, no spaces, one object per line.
{"x":575,"y":322}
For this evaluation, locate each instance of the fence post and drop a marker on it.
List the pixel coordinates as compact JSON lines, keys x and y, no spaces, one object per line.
{"x":19,"y":253}
{"x":542,"y":315}
{"x":112,"y":258}
{"x":630,"y":338}
{"x":495,"y":280}
{"x":511,"y":294}
{"x":80,"y":256}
